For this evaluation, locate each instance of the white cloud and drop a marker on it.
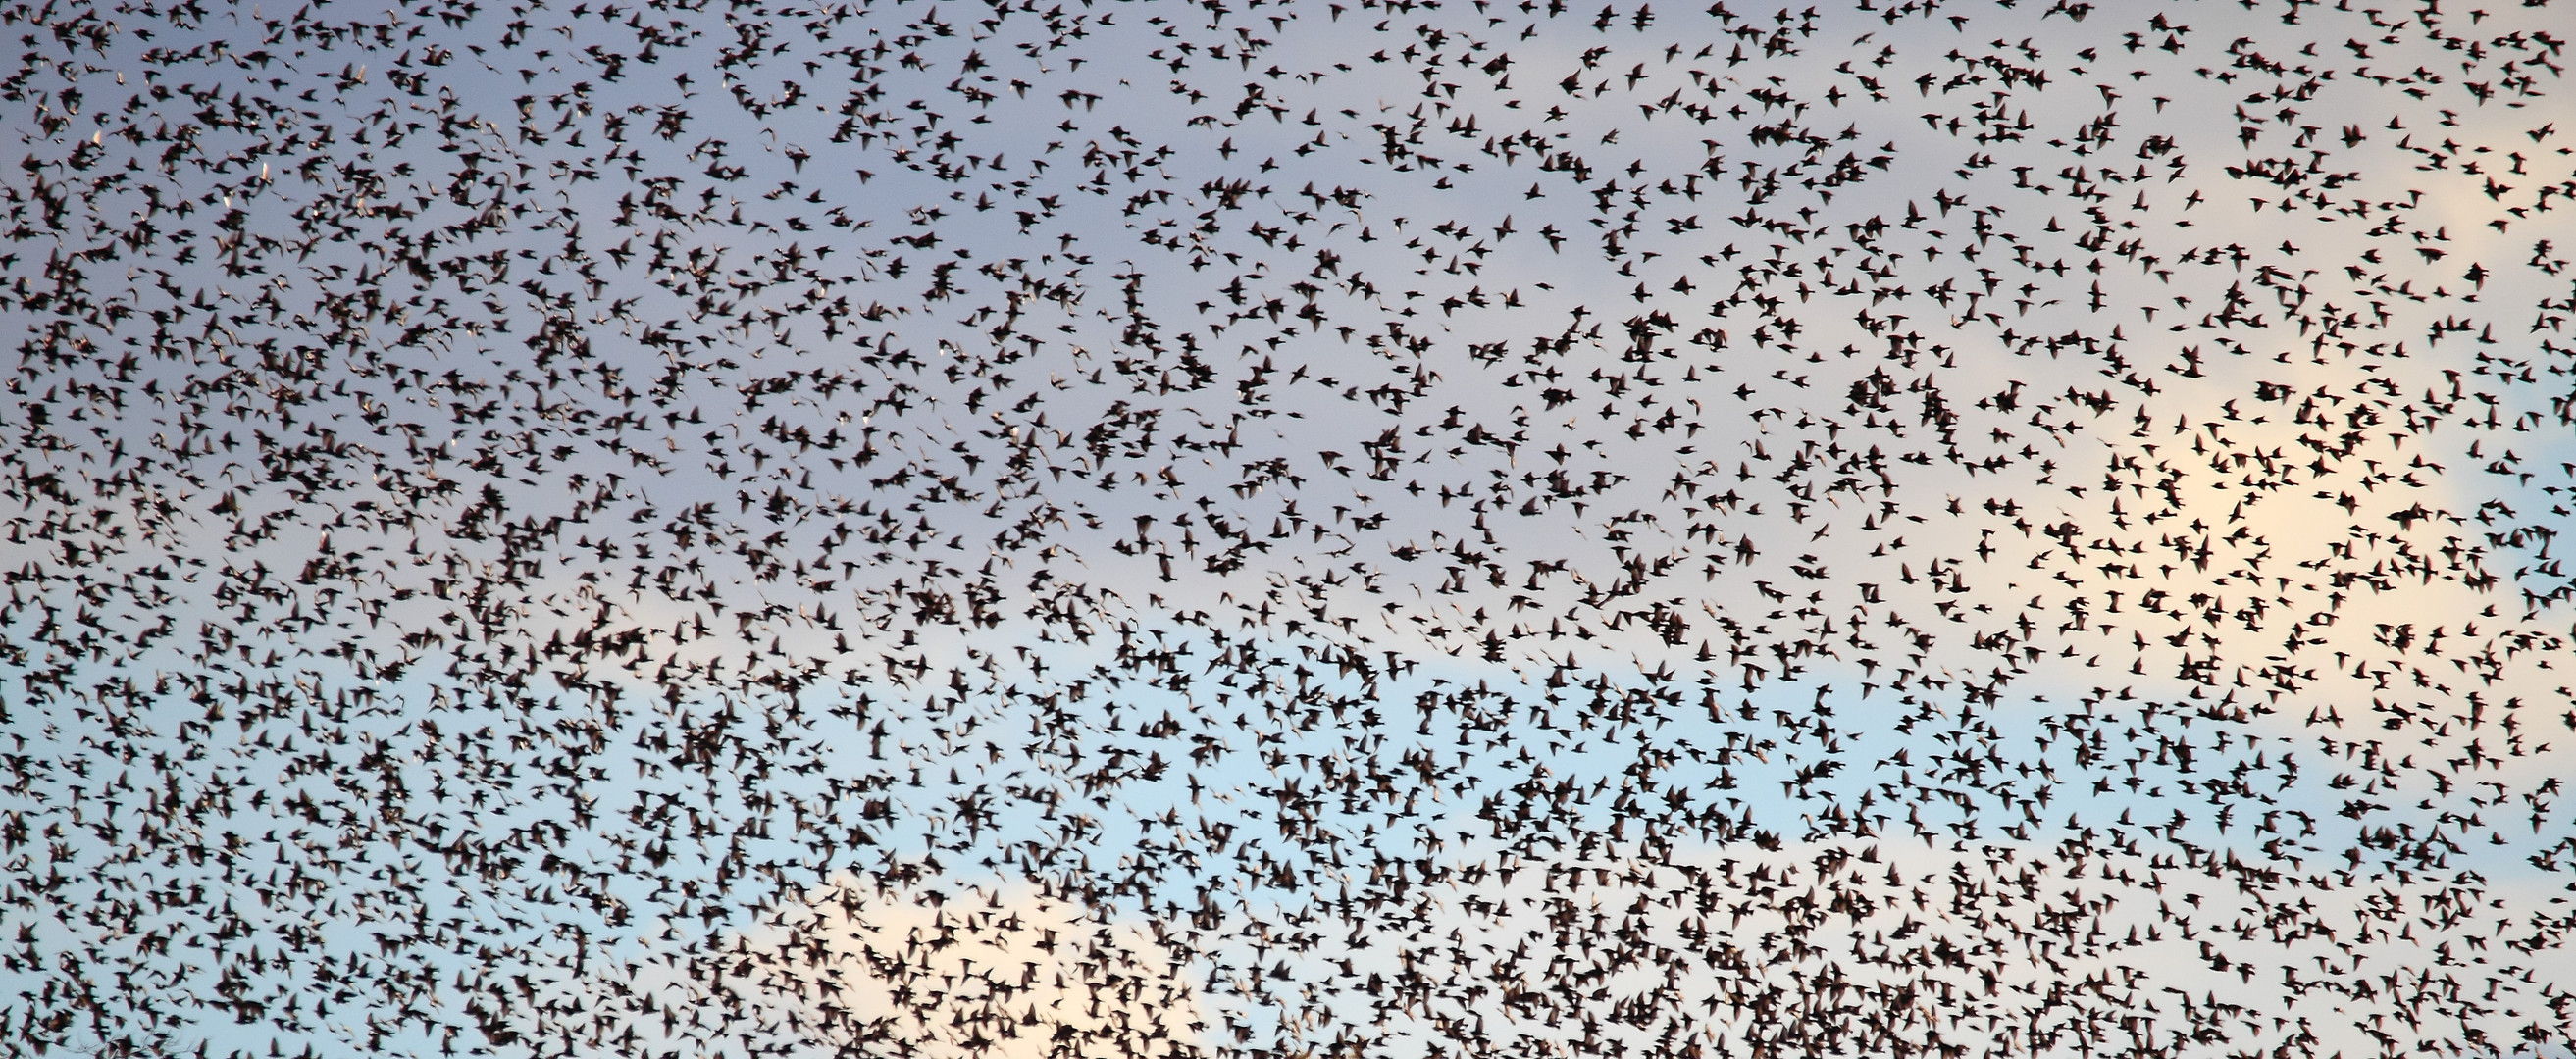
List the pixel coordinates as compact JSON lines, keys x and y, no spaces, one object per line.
{"x":944,"y":969}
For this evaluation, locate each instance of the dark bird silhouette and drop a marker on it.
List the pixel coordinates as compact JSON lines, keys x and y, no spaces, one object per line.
{"x":1053,"y":530}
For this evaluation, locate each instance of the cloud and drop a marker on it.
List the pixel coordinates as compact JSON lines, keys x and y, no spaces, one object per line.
{"x":943,"y":969}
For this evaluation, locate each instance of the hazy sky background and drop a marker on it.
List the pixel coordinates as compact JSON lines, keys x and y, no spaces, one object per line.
{"x":1286,"y":529}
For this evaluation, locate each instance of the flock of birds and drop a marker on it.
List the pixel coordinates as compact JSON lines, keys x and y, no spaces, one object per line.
{"x":1418,"y":528}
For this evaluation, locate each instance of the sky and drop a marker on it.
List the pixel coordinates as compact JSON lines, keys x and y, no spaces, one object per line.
{"x":1186,"y":529}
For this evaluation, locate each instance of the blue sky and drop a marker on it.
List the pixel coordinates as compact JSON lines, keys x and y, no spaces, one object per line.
{"x":499,"y":522}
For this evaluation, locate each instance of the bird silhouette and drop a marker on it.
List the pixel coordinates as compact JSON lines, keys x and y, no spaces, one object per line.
{"x":1034,"y":529}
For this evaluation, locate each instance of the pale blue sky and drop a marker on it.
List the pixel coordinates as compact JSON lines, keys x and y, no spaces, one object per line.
{"x":1164,"y":448}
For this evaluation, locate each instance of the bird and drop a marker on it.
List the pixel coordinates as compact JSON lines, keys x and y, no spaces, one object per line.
{"x":1049,"y":529}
